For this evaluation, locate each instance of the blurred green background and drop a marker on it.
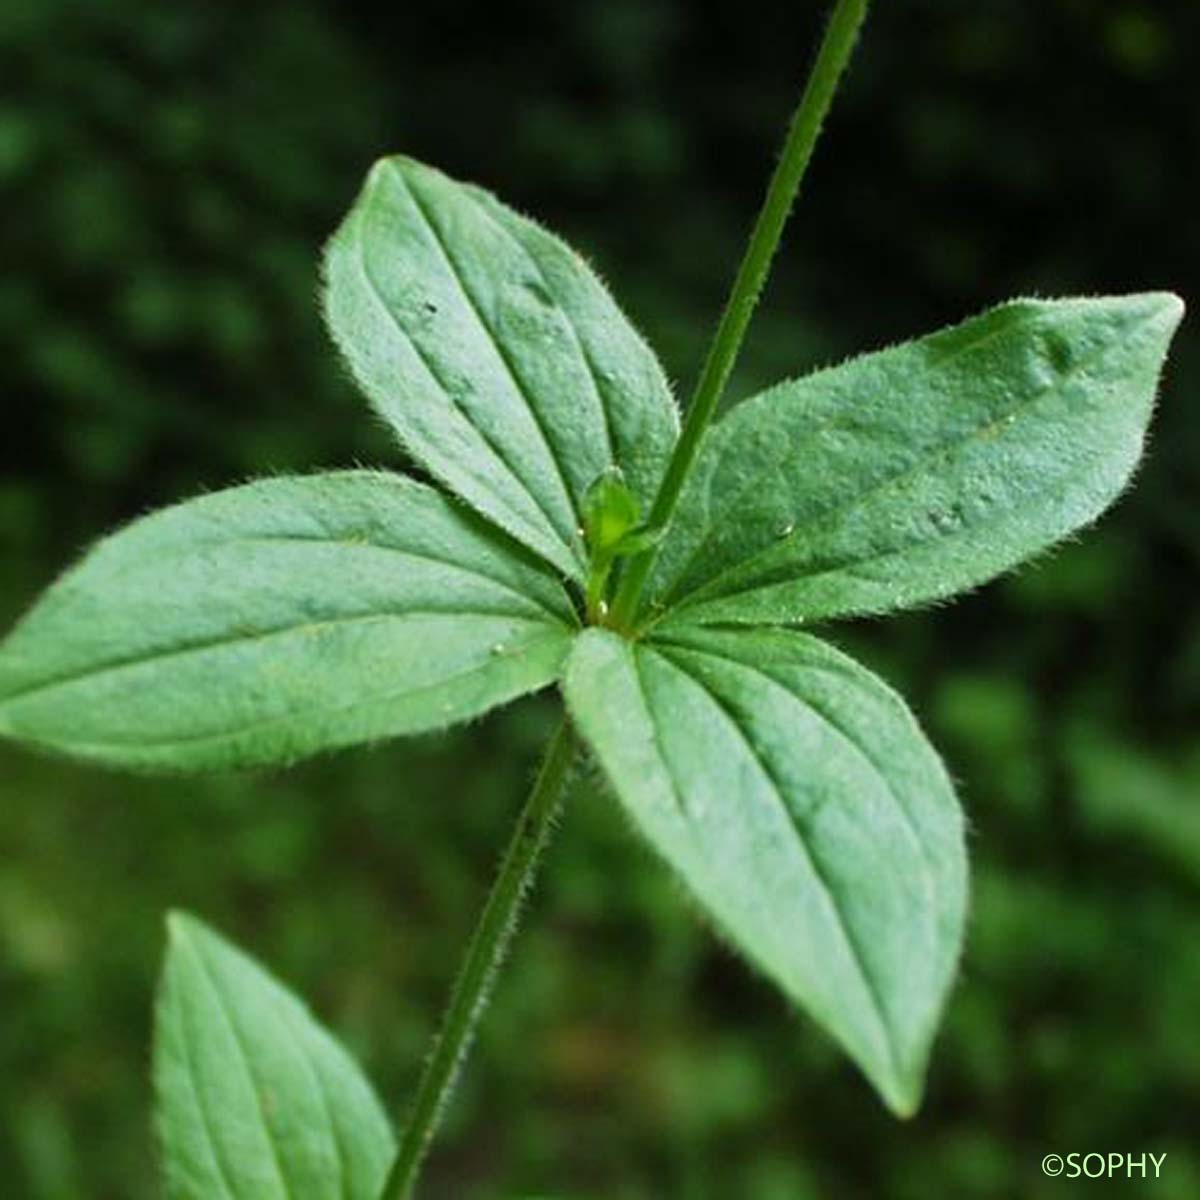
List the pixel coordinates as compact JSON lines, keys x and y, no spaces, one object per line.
{"x":168,"y":170}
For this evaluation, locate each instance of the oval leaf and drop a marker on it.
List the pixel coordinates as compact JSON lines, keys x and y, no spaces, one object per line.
{"x":255,"y":1100}
{"x":908,"y":475}
{"x":798,"y":800}
{"x":275,"y":620}
{"x":495,"y":353}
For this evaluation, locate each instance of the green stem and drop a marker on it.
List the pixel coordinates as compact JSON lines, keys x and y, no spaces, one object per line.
{"x":597,"y":586}
{"x":486,"y":951}
{"x":805,"y":128}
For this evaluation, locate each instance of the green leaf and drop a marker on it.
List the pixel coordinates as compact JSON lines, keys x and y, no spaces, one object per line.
{"x":908,"y":475}
{"x":275,"y":620}
{"x":255,"y":1100}
{"x":800,"y":803}
{"x":496,"y":355}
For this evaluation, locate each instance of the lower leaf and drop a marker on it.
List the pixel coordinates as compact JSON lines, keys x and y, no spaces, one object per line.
{"x":255,"y":1100}
{"x":797,"y":798}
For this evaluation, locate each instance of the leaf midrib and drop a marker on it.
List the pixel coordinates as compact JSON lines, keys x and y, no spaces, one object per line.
{"x":469,"y":569}
{"x":515,"y":515}
{"x":302,"y":1038}
{"x":202,"y":1110}
{"x":502,"y":354}
{"x":217,"y":643}
{"x":346,"y":542}
{"x":340,"y":709}
{"x":531,"y":259}
{"x":841,"y":923}
{"x":850,"y":565}
{"x":244,"y":1060}
{"x":828,"y":422}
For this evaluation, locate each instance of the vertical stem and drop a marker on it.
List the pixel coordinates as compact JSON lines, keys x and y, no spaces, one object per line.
{"x":834,"y":54}
{"x":485,"y":952}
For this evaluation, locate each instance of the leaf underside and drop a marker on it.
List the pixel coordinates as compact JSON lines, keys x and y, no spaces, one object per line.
{"x":495,"y":354}
{"x":255,"y":1100}
{"x":923,"y":470}
{"x":275,"y":620}
{"x":796,"y":797}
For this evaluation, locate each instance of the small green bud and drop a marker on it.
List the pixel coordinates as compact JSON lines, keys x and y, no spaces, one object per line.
{"x":610,"y":511}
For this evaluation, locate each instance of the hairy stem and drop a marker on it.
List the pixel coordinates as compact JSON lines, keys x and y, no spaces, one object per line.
{"x":834,"y":54}
{"x":487,"y":948}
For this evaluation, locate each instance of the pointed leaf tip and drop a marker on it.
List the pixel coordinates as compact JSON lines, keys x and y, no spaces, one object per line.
{"x":1167,"y":304}
{"x":179,"y":923}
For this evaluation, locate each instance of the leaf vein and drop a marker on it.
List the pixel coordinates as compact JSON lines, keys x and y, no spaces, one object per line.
{"x":503,"y":355}
{"x":854,"y":743}
{"x":300,"y":1036}
{"x":244,"y":1059}
{"x":517,"y":241}
{"x":416,"y":555}
{"x":293,"y":714}
{"x":819,"y":871}
{"x":217,"y":643}
{"x":205,"y":1120}
{"x":492,"y":446}
{"x":655,"y":739}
